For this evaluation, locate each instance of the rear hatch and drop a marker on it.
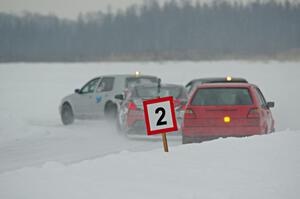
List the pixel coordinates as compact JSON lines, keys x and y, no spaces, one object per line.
{"x":142,"y":93}
{"x":218,"y":107}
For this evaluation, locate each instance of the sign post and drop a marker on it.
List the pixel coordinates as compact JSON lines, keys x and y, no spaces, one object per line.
{"x":160,"y":117}
{"x":165,"y":142}
{"x":163,"y":135}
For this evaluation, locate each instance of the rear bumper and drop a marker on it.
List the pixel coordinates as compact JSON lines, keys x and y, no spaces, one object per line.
{"x":136,"y":125}
{"x":194,"y":132}
{"x":139,"y":128}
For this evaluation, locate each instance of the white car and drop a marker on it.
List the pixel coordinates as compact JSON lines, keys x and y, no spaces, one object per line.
{"x":97,"y":97}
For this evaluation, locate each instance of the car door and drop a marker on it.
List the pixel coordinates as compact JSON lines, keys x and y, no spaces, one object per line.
{"x":264,"y":108}
{"x":103,"y":94}
{"x":84,"y":101}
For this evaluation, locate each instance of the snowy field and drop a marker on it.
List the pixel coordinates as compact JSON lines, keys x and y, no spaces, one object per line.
{"x":255,"y":167}
{"x":41,"y":158}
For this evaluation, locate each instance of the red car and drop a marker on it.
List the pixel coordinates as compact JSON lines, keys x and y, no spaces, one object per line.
{"x":130,"y":118}
{"x":226,"y":109}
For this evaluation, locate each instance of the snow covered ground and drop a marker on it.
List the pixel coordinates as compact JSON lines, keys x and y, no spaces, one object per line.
{"x":41,"y":158}
{"x":255,"y":167}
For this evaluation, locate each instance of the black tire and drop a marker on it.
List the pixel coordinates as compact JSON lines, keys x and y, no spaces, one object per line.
{"x":110,"y":111}
{"x":266,"y":131}
{"x":190,"y":140}
{"x":67,"y":115}
{"x":185,"y":140}
{"x":273,"y":130}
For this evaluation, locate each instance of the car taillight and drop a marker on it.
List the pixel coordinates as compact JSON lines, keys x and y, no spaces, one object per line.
{"x":189,"y":113}
{"x":253,"y":113}
{"x":132,"y":106}
{"x":183,"y":107}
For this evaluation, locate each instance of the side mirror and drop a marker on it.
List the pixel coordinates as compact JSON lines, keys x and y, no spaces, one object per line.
{"x":119,"y":97}
{"x":77,"y":91}
{"x":270,"y":104}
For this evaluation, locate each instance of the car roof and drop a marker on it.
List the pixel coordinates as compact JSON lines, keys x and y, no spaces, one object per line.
{"x":127,"y":75}
{"x":226,"y":85}
{"x":162,"y":85}
{"x":219,"y":80}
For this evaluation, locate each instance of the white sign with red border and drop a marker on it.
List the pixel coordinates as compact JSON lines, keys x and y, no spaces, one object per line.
{"x":160,"y":115}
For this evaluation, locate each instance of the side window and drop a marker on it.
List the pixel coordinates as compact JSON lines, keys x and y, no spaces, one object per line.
{"x":132,"y":81}
{"x":106,"y":84}
{"x":90,"y":86}
{"x":184,"y":93}
{"x":260,"y":97}
{"x":188,"y":87}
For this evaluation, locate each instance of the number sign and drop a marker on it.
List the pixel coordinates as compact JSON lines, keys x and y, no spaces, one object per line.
{"x":160,"y":115}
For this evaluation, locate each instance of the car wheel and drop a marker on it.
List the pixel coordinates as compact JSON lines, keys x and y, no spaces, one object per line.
{"x":67,"y":116}
{"x":266,"y":130}
{"x":273,"y":130}
{"x":185,"y":140}
{"x":110,"y":111}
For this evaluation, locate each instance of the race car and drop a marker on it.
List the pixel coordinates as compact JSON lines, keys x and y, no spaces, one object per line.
{"x":97,"y":97}
{"x":225,"y":110}
{"x":190,"y":86}
{"x":130,"y":119}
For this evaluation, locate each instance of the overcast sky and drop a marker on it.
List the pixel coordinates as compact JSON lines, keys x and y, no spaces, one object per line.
{"x":71,"y":8}
{"x":63,"y":8}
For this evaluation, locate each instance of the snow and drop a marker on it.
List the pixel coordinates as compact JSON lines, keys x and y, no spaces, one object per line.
{"x":41,"y":158}
{"x":255,"y":167}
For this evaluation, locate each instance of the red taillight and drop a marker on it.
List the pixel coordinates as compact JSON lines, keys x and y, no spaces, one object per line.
{"x":189,"y":113}
{"x":183,"y":107}
{"x":253,"y":113}
{"x":132,"y":106}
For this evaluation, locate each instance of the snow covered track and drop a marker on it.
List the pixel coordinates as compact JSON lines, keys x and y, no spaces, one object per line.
{"x":254,"y":167}
{"x":81,"y":141}
{"x":41,"y":158}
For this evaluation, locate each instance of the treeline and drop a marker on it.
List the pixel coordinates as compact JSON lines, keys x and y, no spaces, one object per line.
{"x":152,"y":32}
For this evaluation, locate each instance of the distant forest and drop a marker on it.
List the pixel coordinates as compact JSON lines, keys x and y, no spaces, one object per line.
{"x":172,"y":31}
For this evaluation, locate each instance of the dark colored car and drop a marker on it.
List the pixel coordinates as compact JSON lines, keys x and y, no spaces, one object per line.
{"x":196,"y":82}
{"x":131,"y":115}
{"x":226,"y":109}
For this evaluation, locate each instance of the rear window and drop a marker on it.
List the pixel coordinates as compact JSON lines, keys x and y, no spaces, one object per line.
{"x":132,"y":81}
{"x":222,"y":97}
{"x":151,"y":92}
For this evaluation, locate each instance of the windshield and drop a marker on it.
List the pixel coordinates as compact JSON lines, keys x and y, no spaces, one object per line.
{"x":222,"y":97}
{"x":132,"y":81}
{"x":151,"y":92}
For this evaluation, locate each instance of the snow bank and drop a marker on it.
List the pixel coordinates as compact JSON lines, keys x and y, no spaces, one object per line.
{"x":253,"y":167}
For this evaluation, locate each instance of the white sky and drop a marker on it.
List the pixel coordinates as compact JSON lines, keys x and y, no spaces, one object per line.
{"x":71,"y":8}
{"x":63,"y":8}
